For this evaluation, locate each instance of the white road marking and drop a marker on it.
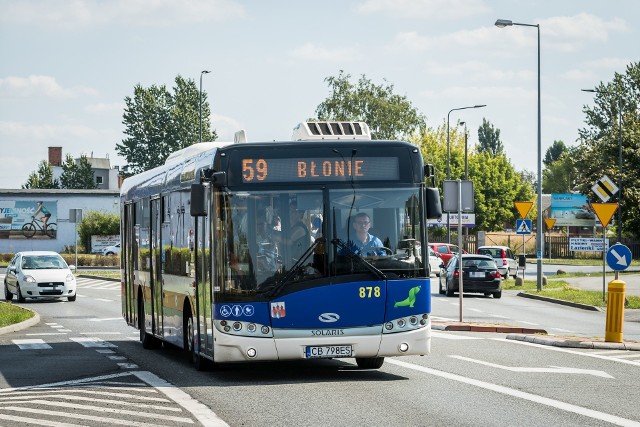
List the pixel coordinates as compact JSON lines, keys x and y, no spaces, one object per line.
{"x":521,"y":395}
{"x":105,"y":351}
{"x":90,"y":342}
{"x":105,"y":319}
{"x":68,"y":414}
{"x":32,"y":344}
{"x":128,"y":366}
{"x":551,"y":369}
{"x":498,"y":316}
{"x":447,"y":336}
{"x":476,"y":310}
{"x":117,"y":358}
{"x":46,"y":334}
{"x":528,"y":323}
{"x":38,"y":422}
{"x":631,"y":355}
{"x":99,"y":333}
{"x":206,"y":416}
{"x":566,"y":350}
{"x":104,"y":300}
{"x":562,"y":330}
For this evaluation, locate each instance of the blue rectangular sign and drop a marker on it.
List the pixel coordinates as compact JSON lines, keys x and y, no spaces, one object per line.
{"x":523,"y":226}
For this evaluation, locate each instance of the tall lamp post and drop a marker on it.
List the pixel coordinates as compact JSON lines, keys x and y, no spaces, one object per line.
{"x":200,"y":100}
{"x":501,"y":23}
{"x":466,"y":153}
{"x":619,"y":96}
{"x":449,"y":159}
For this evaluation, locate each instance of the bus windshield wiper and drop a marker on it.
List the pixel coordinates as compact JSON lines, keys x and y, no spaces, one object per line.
{"x":295,"y":267}
{"x":352,"y":255}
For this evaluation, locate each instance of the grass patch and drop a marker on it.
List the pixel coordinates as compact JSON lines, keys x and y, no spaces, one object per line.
{"x":110,"y":274}
{"x":11,"y":314}
{"x":578,"y":261}
{"x":593,"y":298}
{"x":531,"y":285}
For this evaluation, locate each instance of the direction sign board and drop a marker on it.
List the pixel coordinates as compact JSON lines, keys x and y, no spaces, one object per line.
{"x":604,"y":211}
{"x":619,"y":257}
{"x":605,"y":188}
{"x":523,"y":226}
{"x":523,"y":208}
{"x":587,"y":244}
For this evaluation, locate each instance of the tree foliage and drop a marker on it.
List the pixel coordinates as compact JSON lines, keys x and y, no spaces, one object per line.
{"x":158,"y":122}
{"x":601,"y":139}
{"x":77,"y":175}
{"x":42,"y":178}
{"x":554,"y":152}
{"x":496,"y":182}
{"x":389,"y":116}
{"x":96,"y":223}
{"x":489,"y":139}
{"x":559,"y":176}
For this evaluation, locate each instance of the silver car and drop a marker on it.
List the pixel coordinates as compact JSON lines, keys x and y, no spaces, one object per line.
{"x":39,"y":274}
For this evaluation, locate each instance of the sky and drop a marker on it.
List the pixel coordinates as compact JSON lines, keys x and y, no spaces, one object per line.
{"x":67,"y":65}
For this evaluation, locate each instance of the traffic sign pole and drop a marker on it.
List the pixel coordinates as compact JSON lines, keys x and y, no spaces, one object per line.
{"x":604,"y":261}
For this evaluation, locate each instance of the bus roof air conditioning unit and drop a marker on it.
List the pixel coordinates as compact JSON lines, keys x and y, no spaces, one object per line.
{"x":313,"y":131}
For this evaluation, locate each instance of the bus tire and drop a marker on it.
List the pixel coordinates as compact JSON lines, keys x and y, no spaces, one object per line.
{"x":148,"y":341}
{"x":369,"y":362}
{"x":199,"y":362}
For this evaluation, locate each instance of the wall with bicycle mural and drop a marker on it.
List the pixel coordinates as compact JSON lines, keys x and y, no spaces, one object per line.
{"x":21,"y":219}
{"x":20,"y":232}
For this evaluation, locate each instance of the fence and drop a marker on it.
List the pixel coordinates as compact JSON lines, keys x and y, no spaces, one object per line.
{"x":554,"y":246}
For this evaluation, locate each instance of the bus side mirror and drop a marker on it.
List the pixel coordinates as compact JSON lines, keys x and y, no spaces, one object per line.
{"x":434,"y":207}
{"x":197,"y":206}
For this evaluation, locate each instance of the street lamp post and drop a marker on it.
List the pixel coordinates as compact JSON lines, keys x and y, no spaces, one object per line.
{"x":501,"y":23}
{"x":619,"y":96}
{"x":449,"y":159}
{"x":200,"y":100}
{"x":466,"y":151}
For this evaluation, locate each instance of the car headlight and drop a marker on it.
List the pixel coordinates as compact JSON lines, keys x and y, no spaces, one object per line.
{"x":69,"y":278}
{"x":29,"y":279}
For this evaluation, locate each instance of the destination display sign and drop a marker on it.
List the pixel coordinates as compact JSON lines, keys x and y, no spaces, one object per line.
{"x":266,"y":170}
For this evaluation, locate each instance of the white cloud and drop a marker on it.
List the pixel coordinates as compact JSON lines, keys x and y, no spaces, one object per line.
{"x":18,"y":132}
{"x":92,"y":13}
{"x":424,"y":9}
{"x":101,"y":108}
{"x":579,"y":75}
{"x":313,"y":52}
{"x":478,"y":38}
{"x":572,"y":33}
{"x":38,"y":86}
{"x":226,"y":127}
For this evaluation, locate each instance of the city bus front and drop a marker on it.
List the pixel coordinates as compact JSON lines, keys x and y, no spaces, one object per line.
{"x":325,"y":267}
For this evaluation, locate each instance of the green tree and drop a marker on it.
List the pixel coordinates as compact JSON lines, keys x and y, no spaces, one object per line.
{"x":159,"y":122}
{"x":489,"y":139}
{"x":559,"y":175}
{"x":599,"y":143}
{"x":96,"y":223}
{"x":496,"y":182}
{"x":77,"y":175}
{"x":554,"y":152}
{"x":42,"y":178}
{"x":389,"y":116}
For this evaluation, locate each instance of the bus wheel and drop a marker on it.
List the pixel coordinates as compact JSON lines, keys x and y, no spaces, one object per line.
{"x":199,"y":362}
{"x":369,"y":362}
{"x":148,"y":341}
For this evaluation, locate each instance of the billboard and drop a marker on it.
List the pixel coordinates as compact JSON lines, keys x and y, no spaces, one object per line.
{"x":572,"y":210}
{"x":15,"y":214}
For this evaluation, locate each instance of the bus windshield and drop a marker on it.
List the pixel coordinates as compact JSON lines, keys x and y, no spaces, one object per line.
{"x":283,"y":240}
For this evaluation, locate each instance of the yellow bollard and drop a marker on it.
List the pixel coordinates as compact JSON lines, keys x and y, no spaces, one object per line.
{"x":615,"y":311}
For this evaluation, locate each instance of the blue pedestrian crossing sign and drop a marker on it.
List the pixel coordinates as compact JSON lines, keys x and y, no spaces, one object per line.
{"x":619,"y":257}
{"x":523,"y":226}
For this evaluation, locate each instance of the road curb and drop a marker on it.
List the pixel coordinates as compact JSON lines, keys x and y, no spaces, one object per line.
{"x":558,"y":342}
{"x":559,"y":301}
{"x":22,"y":325}
{"x":504,"y":329}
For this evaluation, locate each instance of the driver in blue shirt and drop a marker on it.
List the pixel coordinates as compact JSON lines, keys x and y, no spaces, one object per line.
{"x":365,"y":243}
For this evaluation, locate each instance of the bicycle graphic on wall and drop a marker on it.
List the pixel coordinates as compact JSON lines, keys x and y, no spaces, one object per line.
{"x":31,"y":228}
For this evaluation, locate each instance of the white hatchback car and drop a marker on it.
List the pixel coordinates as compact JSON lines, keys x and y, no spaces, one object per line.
{"x":39,"y":274}
{"x":506,"y":260}
{"x":112,"y":250}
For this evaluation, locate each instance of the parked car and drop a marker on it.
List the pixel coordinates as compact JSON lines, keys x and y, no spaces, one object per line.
{"x":506,"y":260}
{"x":39,"y":274}
{"x":436,"y":265}
{"x":479,"y":275}
{"x":111,"y":250}
{"x":446,"y":251}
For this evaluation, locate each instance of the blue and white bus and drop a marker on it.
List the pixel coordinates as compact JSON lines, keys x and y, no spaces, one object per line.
{"x":248,"y":251}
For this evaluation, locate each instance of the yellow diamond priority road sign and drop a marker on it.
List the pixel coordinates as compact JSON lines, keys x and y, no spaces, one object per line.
{"x":523,"y":208}
{"x":604,"y":211}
